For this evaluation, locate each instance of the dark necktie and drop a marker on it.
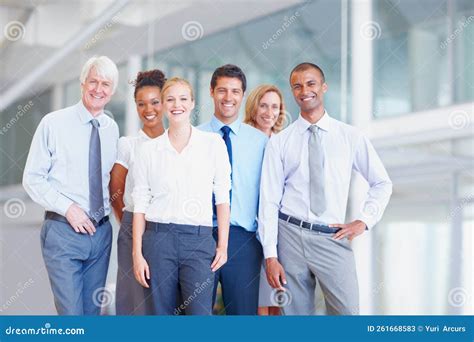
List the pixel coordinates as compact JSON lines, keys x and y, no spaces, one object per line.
{"x":96,"y":196}
{"x":226,"y":131}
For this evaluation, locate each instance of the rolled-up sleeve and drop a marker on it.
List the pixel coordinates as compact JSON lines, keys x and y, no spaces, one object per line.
{"x":123,"y":152}
{"x":271,"y":191}
{"x":222,"y":181}
{"x":368,"y":164}
{"x":141,"y":193}
{"x":35,"y":175}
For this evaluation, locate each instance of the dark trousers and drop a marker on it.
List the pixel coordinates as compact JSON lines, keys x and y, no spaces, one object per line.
{"x":180,"y":257}
{"x":240,"y":276}
{"x":130,"y":297}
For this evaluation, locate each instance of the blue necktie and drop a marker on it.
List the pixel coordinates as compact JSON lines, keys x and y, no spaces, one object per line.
{"x":96,"y":196}
{"x":226,"y":131}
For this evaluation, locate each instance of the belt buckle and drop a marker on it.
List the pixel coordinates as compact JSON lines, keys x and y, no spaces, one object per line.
{"x":301,"y":223}
{"x":288,"y":219}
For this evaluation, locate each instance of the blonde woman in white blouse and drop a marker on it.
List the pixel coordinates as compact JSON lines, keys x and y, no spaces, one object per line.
{"x":176,"y":176}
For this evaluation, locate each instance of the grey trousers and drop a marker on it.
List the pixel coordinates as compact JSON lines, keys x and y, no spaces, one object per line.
{"x":310,"y":256}
{"x":130,"y":297}
{"x":77,"y":266}
{"x":180,"y":257}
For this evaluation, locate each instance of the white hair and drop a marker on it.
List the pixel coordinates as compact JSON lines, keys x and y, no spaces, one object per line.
{"x":104,"y":67}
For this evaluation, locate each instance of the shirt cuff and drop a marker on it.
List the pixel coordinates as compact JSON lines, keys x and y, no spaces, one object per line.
{"x":120,"y":162}
{"x":222,"y":198}
{"x":369,"y":224}
{"x":270,"y":251}
{"x":63,"y":204}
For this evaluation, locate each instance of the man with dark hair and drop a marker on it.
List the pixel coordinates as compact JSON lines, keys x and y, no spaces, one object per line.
{"x":239,"y":278}
{"x":305,"y":66}
{"x":304,"y":191}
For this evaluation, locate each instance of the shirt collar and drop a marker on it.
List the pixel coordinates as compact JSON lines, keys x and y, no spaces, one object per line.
{"x":192,"y":139}
{"x":142,"y":134}
{"x":216,"y":125}
{"x":323,"y":123}
{"x":85,"y":116}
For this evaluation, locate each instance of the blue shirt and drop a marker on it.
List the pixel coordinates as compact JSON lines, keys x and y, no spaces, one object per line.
{"x":248,"y":147}
{"x":57,"y":169}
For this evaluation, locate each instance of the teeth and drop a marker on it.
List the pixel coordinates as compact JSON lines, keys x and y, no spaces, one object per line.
{"x":177,"y":112}
{"x":228,"y":105}
{"x":150,"y":117}
{"x":97,"y":97}
{"x":307,"y":98}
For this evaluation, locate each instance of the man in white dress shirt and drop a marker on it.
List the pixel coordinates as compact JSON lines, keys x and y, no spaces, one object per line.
{"x":303,"y":199}
{"x":67,"y":173}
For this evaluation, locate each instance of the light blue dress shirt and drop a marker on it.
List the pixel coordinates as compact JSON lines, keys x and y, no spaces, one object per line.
{"x":57,"y":169}
{"x":248,"y":147}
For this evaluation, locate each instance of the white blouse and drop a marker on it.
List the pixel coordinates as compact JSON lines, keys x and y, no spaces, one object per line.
{"x":172,"y":187}
{"x":128,"y":148}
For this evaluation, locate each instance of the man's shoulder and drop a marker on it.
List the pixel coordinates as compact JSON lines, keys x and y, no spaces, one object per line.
{"x":206,"y":126}
{"x":254,"y":133}
{"x":345,"y":129}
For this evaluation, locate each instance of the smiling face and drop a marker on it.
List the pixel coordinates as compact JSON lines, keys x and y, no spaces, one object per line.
{"x":96,"y":92}
{"x":149,"y":108}
{"x":178,"y":103}
{"x":308,"y":88}
{"x":267,"y":111}
{"x":227,"y":96}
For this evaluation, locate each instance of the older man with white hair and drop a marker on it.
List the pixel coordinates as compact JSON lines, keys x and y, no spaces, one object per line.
{"x":67,"y":172}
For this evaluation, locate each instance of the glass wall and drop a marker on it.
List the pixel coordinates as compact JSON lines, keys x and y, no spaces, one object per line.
{"x":266,"y":49}
{"x":422,"y":55}
{"x":17,"y":126}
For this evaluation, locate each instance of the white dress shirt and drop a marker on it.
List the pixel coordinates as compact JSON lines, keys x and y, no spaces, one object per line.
{"x":172,"y":187}
{"x":128,"y":148}
{"x":285,"y":177}
{"x":56,"y":172}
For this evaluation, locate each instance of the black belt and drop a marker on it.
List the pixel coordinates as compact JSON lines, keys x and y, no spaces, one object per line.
{"x":51,"y":215}
{"x":307,"y":225}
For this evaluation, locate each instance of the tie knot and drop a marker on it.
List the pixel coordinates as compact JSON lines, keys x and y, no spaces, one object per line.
{"x":95,"y":123}
{"x":313,"y":128}
{"x":225,"y":130}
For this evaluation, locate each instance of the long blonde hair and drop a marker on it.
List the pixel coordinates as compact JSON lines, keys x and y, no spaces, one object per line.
{"x":253,"y":100}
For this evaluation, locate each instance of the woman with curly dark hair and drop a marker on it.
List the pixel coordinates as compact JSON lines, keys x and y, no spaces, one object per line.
{"x":131,"y":297}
